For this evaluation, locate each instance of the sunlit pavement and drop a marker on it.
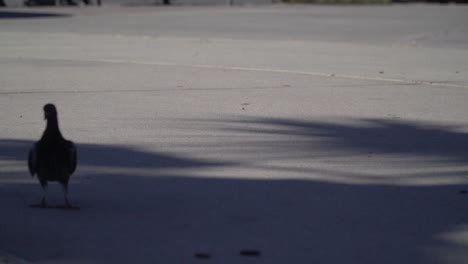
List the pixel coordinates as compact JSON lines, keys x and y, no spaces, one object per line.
{"x":305,"y":134}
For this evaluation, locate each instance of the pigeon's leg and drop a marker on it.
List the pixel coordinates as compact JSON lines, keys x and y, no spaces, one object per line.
{"x":43,"y":203}
{"x":65,"y":194}
{"x":67,"y":205}
{"x":44,"y":195}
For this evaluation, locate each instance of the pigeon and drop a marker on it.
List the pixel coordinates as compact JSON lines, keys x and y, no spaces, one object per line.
{"x":52,"y":158}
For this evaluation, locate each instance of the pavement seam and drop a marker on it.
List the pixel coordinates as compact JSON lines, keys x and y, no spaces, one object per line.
{"x":254,"y":69}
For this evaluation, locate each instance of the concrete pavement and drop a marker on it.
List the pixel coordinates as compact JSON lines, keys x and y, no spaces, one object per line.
{"x":6,"y":258}
{"x":312,"y":134}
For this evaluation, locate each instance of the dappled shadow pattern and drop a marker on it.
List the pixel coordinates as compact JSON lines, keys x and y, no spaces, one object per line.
{"x":371,"y":151}
{"x":366,"y":135}
{"x":24,"y":14}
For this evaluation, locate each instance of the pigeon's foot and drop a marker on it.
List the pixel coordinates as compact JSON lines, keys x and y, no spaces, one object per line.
{"x":64,"y":207}
{"x":68,"y":206}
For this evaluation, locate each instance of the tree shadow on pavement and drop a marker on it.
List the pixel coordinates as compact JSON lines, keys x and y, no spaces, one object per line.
{"x":157,"y":216}
{"x":364,"y":148}
{"x":371,"y":135}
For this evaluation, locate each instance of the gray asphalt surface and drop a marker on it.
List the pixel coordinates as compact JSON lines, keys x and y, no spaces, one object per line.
{"x":313,"y":134}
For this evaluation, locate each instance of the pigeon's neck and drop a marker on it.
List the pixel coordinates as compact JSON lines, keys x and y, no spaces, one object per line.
{"x":52,"y":128}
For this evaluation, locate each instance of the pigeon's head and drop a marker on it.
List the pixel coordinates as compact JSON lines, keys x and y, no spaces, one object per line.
{"x":50,"y":111}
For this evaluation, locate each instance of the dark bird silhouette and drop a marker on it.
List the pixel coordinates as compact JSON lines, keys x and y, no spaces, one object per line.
{"x":52,"y":158}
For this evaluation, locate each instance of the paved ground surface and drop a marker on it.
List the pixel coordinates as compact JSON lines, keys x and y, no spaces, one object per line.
{"x":311,"y":134}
